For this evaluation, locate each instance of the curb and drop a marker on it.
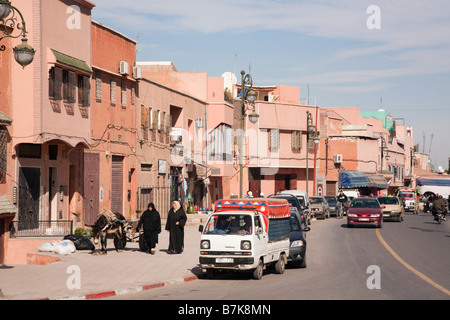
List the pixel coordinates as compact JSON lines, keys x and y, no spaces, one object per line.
{"x":128,"y":290}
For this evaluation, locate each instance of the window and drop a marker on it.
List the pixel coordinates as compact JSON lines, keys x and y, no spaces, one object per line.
{"x":69,"y":87}
{"x":124,"y":95}
{"x":28,"y":150}
{"x":55,"y":83}
{"x":113,"y":92}
{"x":98,"y":87}
{"x":274,"y":139}
{"x":296,"y":140}
{"x":220,"y":145}
{"x":53,"y":152}
{"x":84,"y":91}
{"x":146,"y":167}
{"x":3,"y":154}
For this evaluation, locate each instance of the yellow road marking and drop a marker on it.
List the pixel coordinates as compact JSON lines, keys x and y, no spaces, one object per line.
{"x":403,"y":262}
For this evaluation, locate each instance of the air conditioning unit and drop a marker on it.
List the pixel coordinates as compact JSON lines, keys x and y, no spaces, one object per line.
{"x":123,"y":68}
{"x":338,"y":158}
{"x":137,"y":72}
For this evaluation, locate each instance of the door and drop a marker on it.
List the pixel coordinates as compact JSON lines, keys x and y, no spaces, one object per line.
{"x":117,"y":185}
{"x":52,"y":194}
{"x":91,"y":187}
{"x":29,"y":196}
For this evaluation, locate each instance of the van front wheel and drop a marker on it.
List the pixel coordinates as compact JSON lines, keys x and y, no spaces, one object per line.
{"x":258,"y":272}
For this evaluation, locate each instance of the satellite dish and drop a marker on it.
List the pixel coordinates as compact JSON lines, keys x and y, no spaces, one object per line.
{"x":229,"y":79}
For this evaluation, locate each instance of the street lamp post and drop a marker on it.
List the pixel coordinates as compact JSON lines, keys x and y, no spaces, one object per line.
{"x":384,"y":150}
{"x":250,"y":98}
{"x":310,"y":134}
{"x":23,"y":53}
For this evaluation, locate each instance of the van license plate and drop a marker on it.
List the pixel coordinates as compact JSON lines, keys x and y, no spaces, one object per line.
{"x":224,"y":260}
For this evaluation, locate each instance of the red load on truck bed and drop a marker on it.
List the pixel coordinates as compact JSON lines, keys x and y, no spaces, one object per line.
{"x":267,"y":207}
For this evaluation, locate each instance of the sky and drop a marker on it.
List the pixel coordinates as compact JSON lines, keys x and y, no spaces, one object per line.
{"x":377,"y":54}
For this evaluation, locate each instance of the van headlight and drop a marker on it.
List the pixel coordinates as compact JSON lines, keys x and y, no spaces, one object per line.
{"x":246,"y":245}
{"x":297,"y":243}
{"x":204,"y":244}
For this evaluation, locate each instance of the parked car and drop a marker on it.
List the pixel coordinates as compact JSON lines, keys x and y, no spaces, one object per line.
{"x":333,"y":204}
{"x":303,"y":198}
{"x":293,"y":200}
{"x":297,"y":250}
{"x":392,"y":208}
{"x":319,"y":207}
{"x":365,"y":211}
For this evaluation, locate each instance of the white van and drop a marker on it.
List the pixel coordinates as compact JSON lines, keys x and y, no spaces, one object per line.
{"x":350,"y":193}
{"x":246,"y":234}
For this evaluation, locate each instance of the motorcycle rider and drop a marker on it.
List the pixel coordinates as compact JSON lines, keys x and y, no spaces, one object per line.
{"x":342,"y":198}
{"x":439,"y":205}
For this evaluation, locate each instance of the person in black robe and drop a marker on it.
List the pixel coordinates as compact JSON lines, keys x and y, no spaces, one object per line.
{"x":176,"y":220}
{"x":151,"y":221}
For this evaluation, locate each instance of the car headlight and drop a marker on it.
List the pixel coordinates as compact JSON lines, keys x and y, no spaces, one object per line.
{"x":351,"y":215}
{"x":375,"y":216}
{"x":297,"y":243}
{"x":394,"y":211}
{"x":246,"y":245}
{"x":205,"y":244}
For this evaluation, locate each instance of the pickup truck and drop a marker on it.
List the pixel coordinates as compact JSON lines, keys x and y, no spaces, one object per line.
{"x":246,"y":235}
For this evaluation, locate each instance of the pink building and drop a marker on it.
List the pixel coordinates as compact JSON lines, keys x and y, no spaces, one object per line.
{"x":276,"y":156}
{"x":110,"y":164}
{"x":51,"y":119}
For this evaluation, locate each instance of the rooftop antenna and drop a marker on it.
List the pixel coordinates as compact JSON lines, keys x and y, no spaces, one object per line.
{"x":307,"y":101}
{"x":431,"y":142}
{"x":235,"y":62}
{"x":423,"y":145}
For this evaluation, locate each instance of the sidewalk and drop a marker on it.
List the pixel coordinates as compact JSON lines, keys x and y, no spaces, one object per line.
{"x":104,"y":275}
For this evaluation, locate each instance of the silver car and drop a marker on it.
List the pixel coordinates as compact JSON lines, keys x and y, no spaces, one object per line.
{"x":319,"y":207}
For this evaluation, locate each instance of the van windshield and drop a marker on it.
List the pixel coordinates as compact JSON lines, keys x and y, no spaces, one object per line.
{"x":230,"y":224}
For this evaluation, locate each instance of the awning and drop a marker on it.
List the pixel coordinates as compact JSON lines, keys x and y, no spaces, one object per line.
{"x":71,"y":61}
{"x":377,"y":181}
{"x":353,"y":179}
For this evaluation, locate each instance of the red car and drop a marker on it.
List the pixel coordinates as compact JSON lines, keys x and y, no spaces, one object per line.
{"x":365,"y":211}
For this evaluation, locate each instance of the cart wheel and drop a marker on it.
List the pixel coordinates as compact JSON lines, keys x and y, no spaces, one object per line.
{"x":142,"y":244}
{"x":120,"y":244}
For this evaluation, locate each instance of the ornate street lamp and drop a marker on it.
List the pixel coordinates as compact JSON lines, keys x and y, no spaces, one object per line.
{"x":311,"y":134}
{"x":23,"y":53}
{"x":384,"y":152}
{"x":248,"y":97}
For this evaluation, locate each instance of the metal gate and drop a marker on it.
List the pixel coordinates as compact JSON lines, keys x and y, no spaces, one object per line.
{"x":117,"y":185}
{"x":29,"y":196}
{"x":160,"y":196}
{"x":91,"y":187}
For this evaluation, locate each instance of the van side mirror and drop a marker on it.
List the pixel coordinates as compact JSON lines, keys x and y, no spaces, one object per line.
{"x":200,"y":228}
{"x":259,"y":230}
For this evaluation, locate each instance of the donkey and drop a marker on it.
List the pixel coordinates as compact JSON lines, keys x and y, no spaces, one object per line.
{"x":110,"y":225}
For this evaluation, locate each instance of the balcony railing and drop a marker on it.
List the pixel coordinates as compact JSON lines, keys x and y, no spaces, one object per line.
{"x":57,"y":228}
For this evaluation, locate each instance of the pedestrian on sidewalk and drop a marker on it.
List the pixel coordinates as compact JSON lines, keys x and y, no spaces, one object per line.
{"x":176,"y":220}
{"x":151,"y":220}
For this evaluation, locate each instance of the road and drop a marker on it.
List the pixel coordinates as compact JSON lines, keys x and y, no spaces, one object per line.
{"x":401,"y":261}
